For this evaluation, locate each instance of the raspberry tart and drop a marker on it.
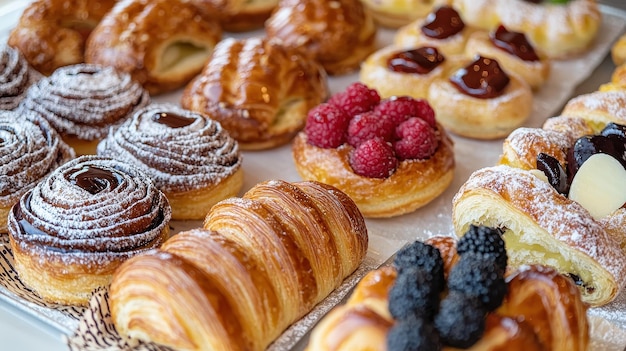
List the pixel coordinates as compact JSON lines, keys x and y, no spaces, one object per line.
{"x":390,"y":156}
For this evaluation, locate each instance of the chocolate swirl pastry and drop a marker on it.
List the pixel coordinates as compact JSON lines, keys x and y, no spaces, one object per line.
{"x":190,"y":157}
{"x":16,"y":76}
{"x":83,"y":101}
{"x":29,"y":150}
{"x":71,"y":231}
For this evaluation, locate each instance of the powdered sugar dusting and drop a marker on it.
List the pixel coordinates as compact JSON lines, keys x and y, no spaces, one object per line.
{"x":177,"y":159}
{"x":58,"y":220}
{"x":85,"y":100}
{"x":15,"y":77}
{"x":29,"y":150}
{"x":567,"y":220}
{"x":598,"y":103}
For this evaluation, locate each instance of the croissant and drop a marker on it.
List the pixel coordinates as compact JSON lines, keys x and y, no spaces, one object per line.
{"x":260,"y":263}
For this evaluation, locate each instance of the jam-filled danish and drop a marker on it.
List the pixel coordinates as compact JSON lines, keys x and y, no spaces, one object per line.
{"x":71,"y":231}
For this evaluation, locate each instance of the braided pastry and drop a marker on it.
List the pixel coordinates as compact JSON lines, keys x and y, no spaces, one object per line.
{"x":71,"y":231}
{"x":190,"y":157}
{"x":258,"y":90}
{"x":29,"y":150}
{"x":339,"y":34}
{"x":52,"y":33}
{"x":83,"y":101}
{"x":162,"y":43}
{"x":261,"y":262}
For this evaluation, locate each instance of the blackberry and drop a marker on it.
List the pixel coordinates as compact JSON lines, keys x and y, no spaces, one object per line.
{"x":414,"y":294}
{"x":486,"y":241}
{"x":476,"y":276}
{"x":460,"y":321}
{"x":424,"y":256}
{"x":413,"y":334}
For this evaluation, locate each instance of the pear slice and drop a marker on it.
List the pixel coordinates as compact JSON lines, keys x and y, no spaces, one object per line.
{"x":600,"y":185}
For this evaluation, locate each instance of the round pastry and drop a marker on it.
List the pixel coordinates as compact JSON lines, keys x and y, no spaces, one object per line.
{"x":513,"y":51}
{"x":398,"y":71}
{"x":618,"y":80}
{"x":556,"y":30}
{"x":339,"y":34}
{"x":443,"y":29}
{"x":481,"y":100}
{"x":240,"y":15}
{"x":29,"y":150}
{"x":618,"y":51}
{"x":83,"y":101}
{"x":190,"y":158}
{"x":540,"y":310}
{"x":71,"y":231}
{"x":163,"y":44}
{"x":258,"y":90}
{"x":397,"y":13}
{"x":391,"y":156}
{"x":16,"y":76}
{"x":52,"y":33}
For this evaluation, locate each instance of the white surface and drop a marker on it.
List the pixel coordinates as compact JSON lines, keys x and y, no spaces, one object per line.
{"x":19,"y":331}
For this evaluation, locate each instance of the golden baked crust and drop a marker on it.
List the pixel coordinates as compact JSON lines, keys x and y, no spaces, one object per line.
{"x":52,"y":33}
{"x":555,"y":30}
{"x":413,"y":184}
{"x":339,"y":34}
{"x":189,"y":156}
{"x":411,"y":35}
{"x":478,"y":118}
{"x":375,"y":73}
{"x":555,"y":320}
{"x":240,"y":15}
{"x":543,"y":227}
{"x":397,"y":13}
{"x":258,"y":90}
{"x":535,"y":73}
{"x":261,"y":262}
{"x":71,"y":231}
{"x":163,"y":44}
{"x":618,"y":51}
{"x":30,"y":149}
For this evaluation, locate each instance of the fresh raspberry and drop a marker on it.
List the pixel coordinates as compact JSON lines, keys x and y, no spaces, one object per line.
{"x":369,"y":125}
{"x":374,"y":158}
{"x":417,"y":139}
{"x":326,"y":126}
{"x":357,"y":98}
{"x":400,"y":108}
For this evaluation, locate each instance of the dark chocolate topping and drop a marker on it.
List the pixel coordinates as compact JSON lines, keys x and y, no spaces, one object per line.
{"x":483,"y":79}
{"x":95,"y":179}
{"x":443,"y":23}
{"x":421,"y":60}
{"x":514,"y":43}
{"x":172,"y":120}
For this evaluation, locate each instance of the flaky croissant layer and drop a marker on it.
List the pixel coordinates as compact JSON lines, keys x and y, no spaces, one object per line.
{"x":261,"y":262}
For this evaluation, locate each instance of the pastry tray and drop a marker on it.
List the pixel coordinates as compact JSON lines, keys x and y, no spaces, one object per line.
{"x":386,"y":235}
